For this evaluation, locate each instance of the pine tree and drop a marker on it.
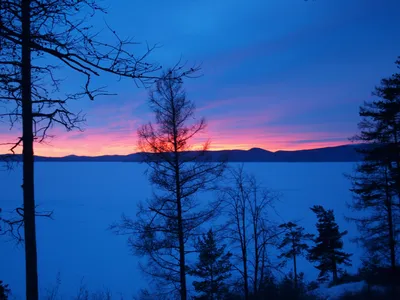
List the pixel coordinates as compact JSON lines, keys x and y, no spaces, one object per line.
{"x":295,"y":243}
{"x":376,"y":184}
{"x":165,"y":224}
{"x":327,"y":250}
{"x":213,"y":267}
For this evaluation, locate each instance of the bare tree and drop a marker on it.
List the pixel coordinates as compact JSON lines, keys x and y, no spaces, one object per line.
{"x":248,"y":228}
{"x":36,"y":38}
{"x":166,"y":223}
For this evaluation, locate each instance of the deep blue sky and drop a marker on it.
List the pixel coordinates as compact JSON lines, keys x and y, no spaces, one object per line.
{"x":277,"y":74}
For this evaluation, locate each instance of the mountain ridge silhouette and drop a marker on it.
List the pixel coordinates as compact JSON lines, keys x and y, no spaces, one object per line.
{"x":342,"y":153}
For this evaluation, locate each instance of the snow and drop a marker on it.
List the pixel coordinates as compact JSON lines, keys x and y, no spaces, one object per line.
{"x":335,"y":292}
{"x":88,"y":197}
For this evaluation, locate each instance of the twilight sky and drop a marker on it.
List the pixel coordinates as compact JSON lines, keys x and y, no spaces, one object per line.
{"x":277,"y":74}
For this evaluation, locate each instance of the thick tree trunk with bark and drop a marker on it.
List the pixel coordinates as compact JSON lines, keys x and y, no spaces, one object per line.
{"x":32,"y":291}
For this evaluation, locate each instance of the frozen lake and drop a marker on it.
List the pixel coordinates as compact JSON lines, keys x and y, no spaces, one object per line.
{"x":88,"y":197}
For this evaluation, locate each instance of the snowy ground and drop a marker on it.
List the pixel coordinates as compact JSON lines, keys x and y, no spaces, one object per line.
{"x":338,"y":291}
{"x":335,"y":292}
{"x":87,"y":197}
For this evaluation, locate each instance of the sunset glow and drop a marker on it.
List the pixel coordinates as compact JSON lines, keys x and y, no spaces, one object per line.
{"x":95,"y":142}
{"x":274,"y":75}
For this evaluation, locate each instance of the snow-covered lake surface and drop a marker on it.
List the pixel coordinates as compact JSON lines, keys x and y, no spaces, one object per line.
{"x":88,"y":197}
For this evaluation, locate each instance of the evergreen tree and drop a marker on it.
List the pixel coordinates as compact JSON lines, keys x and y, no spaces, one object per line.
{"x":294,"y":241}
{"x":163,"y":228}
{"x":213,"y":267}
{"x":327,"y":250}
{"x":376,"y":183}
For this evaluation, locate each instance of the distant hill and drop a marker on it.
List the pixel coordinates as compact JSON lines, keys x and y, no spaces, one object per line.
{"x":345,"y":153}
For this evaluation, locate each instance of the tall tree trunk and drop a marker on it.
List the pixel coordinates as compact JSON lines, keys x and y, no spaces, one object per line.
{"x":255,"y":218}
{"x":182,"y":263}
{"x":294,"y":262}
{"x":244,"y":250}
{"x":246,"y":278}
{"x":262,"y":267}
{"x":31,"y":275}
{"x":257,"y":257}
{"x":244,"y":240}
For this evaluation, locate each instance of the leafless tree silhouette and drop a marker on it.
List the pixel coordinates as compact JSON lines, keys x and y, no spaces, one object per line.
{"x":248,"y":228}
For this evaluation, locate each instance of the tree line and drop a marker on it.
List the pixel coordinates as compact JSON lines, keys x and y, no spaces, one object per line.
{"x":167,"y":227}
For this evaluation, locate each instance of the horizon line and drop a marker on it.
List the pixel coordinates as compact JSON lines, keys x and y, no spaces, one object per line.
{"x":215,"y":150}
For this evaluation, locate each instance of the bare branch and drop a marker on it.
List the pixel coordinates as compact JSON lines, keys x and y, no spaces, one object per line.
{"x":14,"y":225}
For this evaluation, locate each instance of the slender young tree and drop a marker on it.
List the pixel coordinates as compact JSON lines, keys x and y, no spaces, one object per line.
{"x":328,"y":245}
{"x":295,"y":242}
{"x":263,"y":233}
{"x":248,"y":228}
{"x":37,"y":38}
{"x":213,"y":266}
{"x":376,"y":182}
{"x":165,"y":225}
